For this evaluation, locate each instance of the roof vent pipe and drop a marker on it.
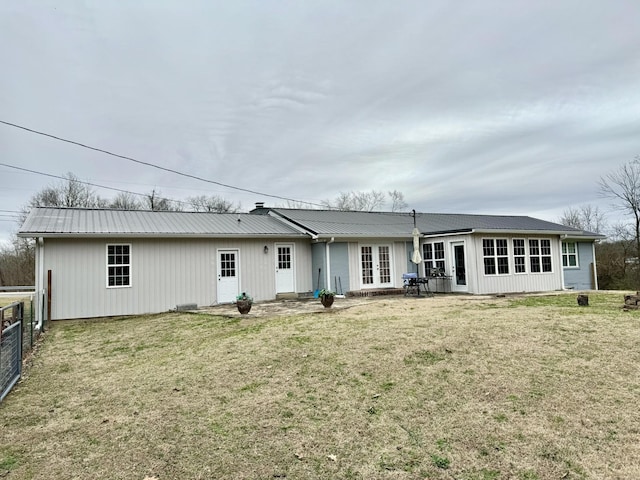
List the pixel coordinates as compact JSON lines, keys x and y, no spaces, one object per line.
{"x":259,"y":204}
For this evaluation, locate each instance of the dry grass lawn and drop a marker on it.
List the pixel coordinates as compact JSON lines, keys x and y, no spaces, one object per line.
{"x":471,"y":388}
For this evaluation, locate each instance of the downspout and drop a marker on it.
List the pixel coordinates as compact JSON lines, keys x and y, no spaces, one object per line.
{"x":562,"y":239}
{"x":39,"y":283}
{"x":595,"y":268}
{"x":328,"y":269}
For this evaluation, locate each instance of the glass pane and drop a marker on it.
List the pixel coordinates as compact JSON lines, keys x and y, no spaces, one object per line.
{"x":489,"y":266}
{"x":284,"y":258}
{"x":367,"y":265}
{"x":503,"y":265}
{"x":385,"y":264}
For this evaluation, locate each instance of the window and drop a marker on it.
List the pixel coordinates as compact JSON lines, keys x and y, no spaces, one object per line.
{"x":569,"y":254}
{"x":519,"y":256}
{"x":284,"y":258}
{"x":433,"y":254}
{"x":366,"y":258}
{"x":540,"y":255}
{"x":118,"y":265}
{"x":496,"y":256}
{"x":228,"y":264}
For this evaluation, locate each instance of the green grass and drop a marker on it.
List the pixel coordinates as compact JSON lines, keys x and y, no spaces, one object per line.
{"x":471,"y":388}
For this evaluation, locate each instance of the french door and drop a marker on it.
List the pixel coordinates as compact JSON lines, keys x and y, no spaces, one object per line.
{"x":376,"y":266}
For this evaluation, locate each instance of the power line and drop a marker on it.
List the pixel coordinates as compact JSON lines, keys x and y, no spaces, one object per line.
{"x":87,"y":183}
{"x":149,"y":164}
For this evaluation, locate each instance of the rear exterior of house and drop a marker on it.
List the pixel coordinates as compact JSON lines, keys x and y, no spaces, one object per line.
{"x":96,"y":263}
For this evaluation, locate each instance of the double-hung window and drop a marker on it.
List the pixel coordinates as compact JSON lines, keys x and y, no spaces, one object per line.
{"x":540,"y":255}
{"x":519,"y":256}
{"x":118,"y":265}
{"x":496,"y":256}
{"x":433,"y":254}
{"x":569,"y":254}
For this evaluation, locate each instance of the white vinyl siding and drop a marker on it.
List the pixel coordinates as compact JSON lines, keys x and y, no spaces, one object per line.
{"x":168,"y":272}
{"x":519,"y":278}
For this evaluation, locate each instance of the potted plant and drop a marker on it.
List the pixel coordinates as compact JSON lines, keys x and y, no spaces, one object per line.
{"x":244,"y":302}
{"x":326,"y":297}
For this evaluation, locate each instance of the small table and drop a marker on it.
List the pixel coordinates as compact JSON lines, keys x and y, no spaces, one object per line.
{"x":412,"y":286}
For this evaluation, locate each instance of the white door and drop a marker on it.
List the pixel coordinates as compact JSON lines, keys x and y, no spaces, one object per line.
{"x":376,"y":266}
{"x":285,"y":281}
{"x":458,"y":268}
{"x":228,"y":278}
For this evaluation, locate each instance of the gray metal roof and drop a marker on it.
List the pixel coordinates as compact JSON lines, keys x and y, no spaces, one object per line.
{"x":47,"y":222}
{"x":325,"y":223}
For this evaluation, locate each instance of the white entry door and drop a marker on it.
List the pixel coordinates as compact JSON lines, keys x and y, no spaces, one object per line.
{"x":459,"y":268}
{"x":228,"y":278}
{"x":376,"y":266}
{"x":285,"y":279}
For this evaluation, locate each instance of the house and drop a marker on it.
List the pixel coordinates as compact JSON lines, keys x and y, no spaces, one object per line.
{"x":95,"y":263}
{"x":477,"y":254}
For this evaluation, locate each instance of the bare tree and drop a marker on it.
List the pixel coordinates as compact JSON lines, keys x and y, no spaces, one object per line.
{"x":623,"y":186}
{"x":586,"y":217}
{"x":397,"y":201}
{"x":213,"y":203}
{"x":153,"y":201}
{"x":69,"y":193}
{"x":357,"y":201}
{"x":125,"y":201}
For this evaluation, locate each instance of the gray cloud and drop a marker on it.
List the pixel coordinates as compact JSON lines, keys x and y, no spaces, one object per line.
{"x":470,"y":107}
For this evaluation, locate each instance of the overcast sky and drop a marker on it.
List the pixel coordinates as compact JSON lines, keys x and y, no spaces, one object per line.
{"x":494,"y":107}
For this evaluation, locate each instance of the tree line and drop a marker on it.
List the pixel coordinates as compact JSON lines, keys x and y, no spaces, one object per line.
{"x":17,"y":260}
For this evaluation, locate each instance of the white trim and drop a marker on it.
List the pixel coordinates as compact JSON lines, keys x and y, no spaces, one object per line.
{"x":293,"y":264}
{"x":575,"y":253}
{"x":495,"y":257}
{"x":236,"y":251}
{"x":121,"y":265}
{"x":453,"y":283}
{"x":375,"y":259}
{"x":525,"y":256}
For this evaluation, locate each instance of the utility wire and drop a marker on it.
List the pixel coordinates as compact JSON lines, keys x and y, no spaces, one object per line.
{"x":87,"y":183}
{"x":149,"y":164}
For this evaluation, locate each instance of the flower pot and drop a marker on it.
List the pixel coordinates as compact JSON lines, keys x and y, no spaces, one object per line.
{"x":244,"y":306}
{"x":327,"y":300}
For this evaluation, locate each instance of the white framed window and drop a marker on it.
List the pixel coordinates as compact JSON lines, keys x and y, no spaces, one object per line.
{"x":118,"y":265}
{"x":540,"y":255}
{"x":496,"y":256}
{"x":519,"y":256}
{"x":569,"y":255}
{"x":433,"y":254}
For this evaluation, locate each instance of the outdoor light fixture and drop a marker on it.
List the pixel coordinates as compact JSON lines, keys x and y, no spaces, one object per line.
{"x":266,"y":249}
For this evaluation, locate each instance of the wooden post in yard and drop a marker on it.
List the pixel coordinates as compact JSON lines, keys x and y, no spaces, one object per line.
{"x":48,"y":295}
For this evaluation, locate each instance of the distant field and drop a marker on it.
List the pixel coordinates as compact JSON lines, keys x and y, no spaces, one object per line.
{"x":471,"y":388}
